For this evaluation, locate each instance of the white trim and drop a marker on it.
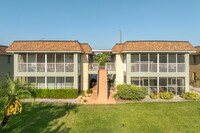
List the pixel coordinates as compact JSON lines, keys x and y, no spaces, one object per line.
{"x":157,"y":51}
{"x":101,"y":50}
{"x":45,"y":51}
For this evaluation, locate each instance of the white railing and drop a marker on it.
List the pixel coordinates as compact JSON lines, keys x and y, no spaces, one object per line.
{"x":155,"y":67}
{"x":110,"y":66}
{"x":93,"y":66}
{"x":48,"y":67}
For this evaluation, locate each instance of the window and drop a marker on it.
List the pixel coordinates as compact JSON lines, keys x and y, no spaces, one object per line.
{"x":50,"y":62}
{"x":59,"y":82}
{"x":51,"y":82}
{"x":172,"y":63}
{"x":144,"y":63}
{"x":32,"y":80}
{"x":149,"y":62}
{"x":31,"y":62}
{"x":8,"y":59}
{"x":40,"y":62}
{"x":163,"y":62}
{"x":41,"y":82}
{"x":22,"y":63}
{"x":59,"y":62}
{"x":135,"y":63}
{"x":69,"y":82}
{"x":181,"y":63}
{"x":194,"y":59}
{"x":180,"y":85}
{"x":135,"y":81}
{"x":194,"y":76}
{"x":172,"y":85}
{"x":69,"y":60}
{"x":153,"y":85}
{"x":176,"y":85}
{"x":153,"y":63}
{"x":162,"y":84}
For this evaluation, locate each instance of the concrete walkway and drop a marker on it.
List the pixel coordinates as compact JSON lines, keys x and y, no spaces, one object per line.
{"x":194,"y":89}
{"x":148,"y":99}
{"x":47,"y":100}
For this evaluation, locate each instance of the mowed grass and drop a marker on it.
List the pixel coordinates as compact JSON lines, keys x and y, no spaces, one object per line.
{"x":183,"y":117}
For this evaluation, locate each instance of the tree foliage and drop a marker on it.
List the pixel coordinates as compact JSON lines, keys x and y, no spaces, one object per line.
{"x":102,"y":58}
{"x":11,"y":93}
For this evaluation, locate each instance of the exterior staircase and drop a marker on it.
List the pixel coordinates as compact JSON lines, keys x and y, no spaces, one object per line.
{"x":102,"y":86}
{"x":101,"y":95}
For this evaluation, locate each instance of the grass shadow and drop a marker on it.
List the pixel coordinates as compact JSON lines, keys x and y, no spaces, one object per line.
{"x":37,"y":117}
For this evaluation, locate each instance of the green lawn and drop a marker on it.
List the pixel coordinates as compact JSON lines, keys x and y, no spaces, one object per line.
{"x":134,"y":117}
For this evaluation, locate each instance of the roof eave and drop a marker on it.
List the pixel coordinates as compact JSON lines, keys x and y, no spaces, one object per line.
{"x":158,"y":51}
{"x":45,"y":51}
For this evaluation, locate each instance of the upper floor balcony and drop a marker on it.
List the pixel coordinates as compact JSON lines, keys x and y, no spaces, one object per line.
{"x":157,"y":63}
{"x":45,"y":62}
{"x":96,"y":67}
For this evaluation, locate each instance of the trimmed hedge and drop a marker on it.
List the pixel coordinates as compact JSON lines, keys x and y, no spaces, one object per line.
{"x":131,"y":92}
{"x":56,"y":93}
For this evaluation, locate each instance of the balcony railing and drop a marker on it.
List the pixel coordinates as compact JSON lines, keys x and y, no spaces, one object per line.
{"x":110,"y":66}
{"x":93,"y":66}
{"x":48,"y":67}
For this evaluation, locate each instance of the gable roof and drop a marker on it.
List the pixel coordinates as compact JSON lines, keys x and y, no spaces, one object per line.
{"x":154,"y":46}
{"x":47,"y":46}
{"x":117,"y":48}
{"x":3,"y":49}
{"x":197,"y":51}
{"x":86,"y":47}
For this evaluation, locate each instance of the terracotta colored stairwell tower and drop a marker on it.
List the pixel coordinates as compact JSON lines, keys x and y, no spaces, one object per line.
{"x":102,"y":86}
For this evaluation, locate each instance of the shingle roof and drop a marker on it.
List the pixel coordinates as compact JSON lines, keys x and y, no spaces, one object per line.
{"x":86,"y":47}
{"x":197,"y":51}
{"x":154,"y":46}
{"x":3,"y":50}
{"x":117,"y":48}
{"x":46,"y":46}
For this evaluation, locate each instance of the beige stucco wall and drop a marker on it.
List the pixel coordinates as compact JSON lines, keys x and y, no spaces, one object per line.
{"x":84,"y":70}
{"x":119,"y":66}
{"x":194,"y":68}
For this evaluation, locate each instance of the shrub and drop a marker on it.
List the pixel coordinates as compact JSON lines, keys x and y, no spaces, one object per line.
{"x":116,"y":96}
{"x":83,"y":93}
{"x":89,"y":91}
{"x":166,"y":95}
{"x":84,"y":100}
{"x":131,"y":92}
{"x":56,"y":93}
{"x":190,"y":95}
{"x":154,"y":96}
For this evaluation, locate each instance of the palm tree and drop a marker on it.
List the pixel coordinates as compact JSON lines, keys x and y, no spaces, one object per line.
{"x":12,"y":92}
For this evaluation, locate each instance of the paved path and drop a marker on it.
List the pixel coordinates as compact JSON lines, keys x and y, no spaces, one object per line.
{"x":47,"y":100}
{"x":195,"y":89}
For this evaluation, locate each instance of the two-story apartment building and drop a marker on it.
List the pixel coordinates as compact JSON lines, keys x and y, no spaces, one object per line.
{"x":195,"y":68}
{"x":50,"y":64}
{"x":6,"y":63}
{"x":161,"y":66}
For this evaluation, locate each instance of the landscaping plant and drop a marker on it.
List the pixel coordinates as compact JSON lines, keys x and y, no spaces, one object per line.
{"x":89,"y":91}
{"x":154,"y":96}
{"x":131,"y":92}
{"x":190,"y":95}
{"x":166,"y":95}
{"x":11,"y":93}
{"x":56,"y":93}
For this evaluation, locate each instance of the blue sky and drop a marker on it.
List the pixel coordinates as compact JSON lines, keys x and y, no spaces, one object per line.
{"x":98,"y":22}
